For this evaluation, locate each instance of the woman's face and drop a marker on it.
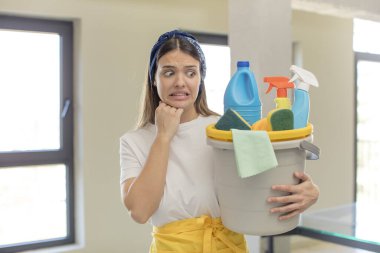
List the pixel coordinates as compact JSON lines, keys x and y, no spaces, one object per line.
{"x":178,"y":79}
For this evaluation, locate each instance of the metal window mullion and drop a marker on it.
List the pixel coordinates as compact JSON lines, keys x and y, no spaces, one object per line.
{"x":67,"y":131}
{"x":32,"y":158}
{"x":211,"y":38}
{"x":359,"y":56}
{"x":31,"y":24}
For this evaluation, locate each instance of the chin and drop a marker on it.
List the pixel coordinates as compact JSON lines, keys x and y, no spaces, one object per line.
{"x":179,"y":104}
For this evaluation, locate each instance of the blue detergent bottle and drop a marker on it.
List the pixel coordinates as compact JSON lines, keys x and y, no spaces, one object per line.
{"x":301,"y":104}
{"x":242,"y":94}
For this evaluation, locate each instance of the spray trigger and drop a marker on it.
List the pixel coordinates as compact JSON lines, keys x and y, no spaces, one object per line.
{"x":295,"y":76}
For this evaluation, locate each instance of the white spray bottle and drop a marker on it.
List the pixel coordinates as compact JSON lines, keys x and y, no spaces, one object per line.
{"x":301,"y":104}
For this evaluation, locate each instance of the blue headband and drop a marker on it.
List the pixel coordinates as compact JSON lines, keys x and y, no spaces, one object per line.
{"x":167,"y":36}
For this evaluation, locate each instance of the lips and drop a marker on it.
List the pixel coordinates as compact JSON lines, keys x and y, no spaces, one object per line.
{"x":179,"y":94}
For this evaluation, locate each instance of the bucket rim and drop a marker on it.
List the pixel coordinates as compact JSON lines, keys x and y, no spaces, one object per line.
{"x":274,"y":136}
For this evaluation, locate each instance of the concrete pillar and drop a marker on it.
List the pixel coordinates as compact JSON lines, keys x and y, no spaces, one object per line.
{"x":260,"y":31}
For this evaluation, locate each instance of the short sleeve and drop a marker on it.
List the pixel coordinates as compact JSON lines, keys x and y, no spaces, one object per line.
{"x":129,"y":164}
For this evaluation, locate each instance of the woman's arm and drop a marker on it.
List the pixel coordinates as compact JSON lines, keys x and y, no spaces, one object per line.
{"x":301,"y":197}
{"x":142,"y":195}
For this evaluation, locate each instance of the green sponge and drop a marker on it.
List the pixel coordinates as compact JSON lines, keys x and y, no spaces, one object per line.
{"x":232,"y":119}
{"x":282,"y":119}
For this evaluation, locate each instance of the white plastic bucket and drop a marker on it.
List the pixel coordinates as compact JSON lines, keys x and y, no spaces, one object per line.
{"x":243,"y":202}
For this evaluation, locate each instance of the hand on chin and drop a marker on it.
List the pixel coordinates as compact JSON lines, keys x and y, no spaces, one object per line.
{"x":174,"y":104}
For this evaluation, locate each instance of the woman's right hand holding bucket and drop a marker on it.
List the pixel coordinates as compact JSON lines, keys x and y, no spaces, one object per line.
{"x":300,"y":198}
{"x":167,"y":121}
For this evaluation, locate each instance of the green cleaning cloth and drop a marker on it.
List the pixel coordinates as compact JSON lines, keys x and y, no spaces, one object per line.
{"x":253,"y":152}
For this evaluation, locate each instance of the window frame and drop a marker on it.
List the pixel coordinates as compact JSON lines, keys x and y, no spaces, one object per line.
{"x":359,"y":56}
{"x":211,"y":38}
{"x":64,"y":155}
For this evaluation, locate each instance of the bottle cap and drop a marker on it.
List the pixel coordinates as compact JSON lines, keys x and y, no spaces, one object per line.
{"x":243,"y":64}
{"x":282,"y":83}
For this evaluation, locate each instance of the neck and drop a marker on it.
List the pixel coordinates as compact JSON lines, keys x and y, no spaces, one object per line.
{"x":188,"y":116}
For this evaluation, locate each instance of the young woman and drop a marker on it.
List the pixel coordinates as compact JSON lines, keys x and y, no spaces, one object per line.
{"x":166,"y":165}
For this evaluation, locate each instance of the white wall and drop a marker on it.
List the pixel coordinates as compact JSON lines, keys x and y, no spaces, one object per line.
{"x":113,"y":42}
{"x":326,"y":44}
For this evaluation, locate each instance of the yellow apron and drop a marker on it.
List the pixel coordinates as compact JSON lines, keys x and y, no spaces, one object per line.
{"x":197,"y":235}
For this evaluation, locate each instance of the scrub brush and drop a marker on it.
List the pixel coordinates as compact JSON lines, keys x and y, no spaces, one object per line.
{"x":232,"y":119}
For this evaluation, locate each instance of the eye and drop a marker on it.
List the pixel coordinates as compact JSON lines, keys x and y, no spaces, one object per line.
{"x":168,"y":73}
{"x":191,"y":73}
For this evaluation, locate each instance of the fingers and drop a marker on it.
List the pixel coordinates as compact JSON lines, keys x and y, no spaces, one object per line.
{"x":286,"y":188}
{"x":288,"y":211}
{"x":302,"y":175}
{"x":293,"y":188}
{"x":168,"y":108}
{"x":163,"y":111}
{"x":167,"y":120}
{"x":299,"y":197}
{"x":285,"y":199}
{"x":289,"y":215}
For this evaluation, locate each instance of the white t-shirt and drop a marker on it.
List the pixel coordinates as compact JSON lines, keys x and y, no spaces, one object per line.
{"x":189,"y":191}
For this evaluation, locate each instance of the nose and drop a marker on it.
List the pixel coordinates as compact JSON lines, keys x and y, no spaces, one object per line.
{"x":180,"y":80}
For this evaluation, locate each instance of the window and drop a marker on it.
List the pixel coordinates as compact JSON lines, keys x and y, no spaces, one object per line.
{"x":367,"y":61}
{"x":217,"y":54}
{"x":36,"y":133}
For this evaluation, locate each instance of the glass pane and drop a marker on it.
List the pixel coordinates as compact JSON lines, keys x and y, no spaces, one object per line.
{"x":357,"y":222}
{"x":218,"y":75}
{"x":29,"y":91}
{"x":33,"y":203}
{"x":368,"y":125}
{"x":366,"y":36}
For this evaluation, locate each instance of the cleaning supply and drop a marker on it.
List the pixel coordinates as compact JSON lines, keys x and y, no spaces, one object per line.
{"x":254,"y":153}
{"x":232,"y":119}
{"x":280,"y":118}
{"x":243,"y":201}
{"x":261,"y":124}
{"x":301,"y":104}
{"x":242,"y":94}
